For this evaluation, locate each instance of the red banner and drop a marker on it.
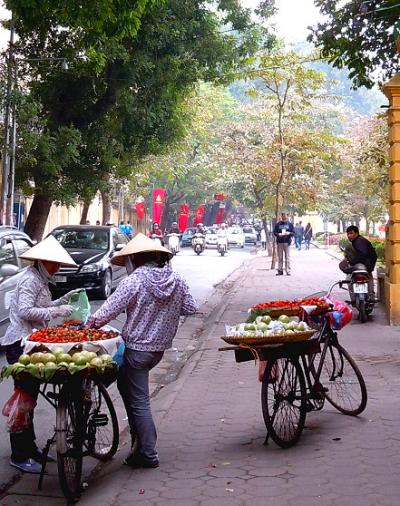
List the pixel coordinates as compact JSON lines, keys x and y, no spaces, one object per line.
{"x":219,"y":217}
{"x":199,"y":215}
{"x":219,"y":196}
{"x":140,"y":208}
{"x":183,"y":219}
{"x":158,"y":204}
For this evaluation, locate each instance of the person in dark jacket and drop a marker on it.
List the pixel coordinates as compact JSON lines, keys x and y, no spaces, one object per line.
{"x":360,"y":251}
{"x":308,"y":235}
{"x":283,"y":232}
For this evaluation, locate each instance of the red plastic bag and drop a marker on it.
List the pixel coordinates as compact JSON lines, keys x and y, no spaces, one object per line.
{"x":341,"y":314}
{"x":18,"y":410}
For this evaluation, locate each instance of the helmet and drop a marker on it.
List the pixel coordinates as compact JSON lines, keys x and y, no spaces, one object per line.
{"x":174,"y":224}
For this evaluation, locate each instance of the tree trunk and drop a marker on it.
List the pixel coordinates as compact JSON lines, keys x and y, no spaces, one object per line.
{"x":106,"y":200}
{"x":85,"y":210}
{"x":269,"y":244}
{"x":37,"y":217}
{"x":338,"y":226}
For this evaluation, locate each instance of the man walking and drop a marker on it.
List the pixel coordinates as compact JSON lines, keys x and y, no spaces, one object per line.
{"x":283,"y":232}
{"x":298,"y":235}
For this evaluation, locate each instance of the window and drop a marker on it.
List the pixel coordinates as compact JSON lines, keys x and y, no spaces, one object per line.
{"x":7,"y":254}
{"x":21,"y":245}
{"x":119,"y":238}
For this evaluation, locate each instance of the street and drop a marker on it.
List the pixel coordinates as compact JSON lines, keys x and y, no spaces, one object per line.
{"x":201,"y":272}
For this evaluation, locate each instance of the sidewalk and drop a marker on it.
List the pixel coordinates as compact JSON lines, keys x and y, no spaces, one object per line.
{"x":211,"y":430}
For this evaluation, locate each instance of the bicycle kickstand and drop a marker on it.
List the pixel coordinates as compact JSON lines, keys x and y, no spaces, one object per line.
{"x":45,"y":453}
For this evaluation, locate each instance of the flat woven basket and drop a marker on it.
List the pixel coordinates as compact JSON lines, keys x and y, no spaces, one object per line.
{"x":275,"y":312}
{"x":276,"y":339}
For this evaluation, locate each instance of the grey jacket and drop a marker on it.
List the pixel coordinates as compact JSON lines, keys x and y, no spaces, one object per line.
{"x":31,"y":307}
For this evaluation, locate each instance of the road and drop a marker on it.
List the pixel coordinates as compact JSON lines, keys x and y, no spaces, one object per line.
{"x":201,"y":272}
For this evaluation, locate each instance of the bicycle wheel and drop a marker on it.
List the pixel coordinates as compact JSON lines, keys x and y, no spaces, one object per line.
{"x":283,"y":400}
{"x":69,"y":445}
{"x":346,"y":389}
{"x":102,"y":423}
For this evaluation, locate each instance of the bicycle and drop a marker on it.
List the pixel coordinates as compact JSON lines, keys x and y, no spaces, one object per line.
{"x":86,"y":424}
{"x":300,"y":376}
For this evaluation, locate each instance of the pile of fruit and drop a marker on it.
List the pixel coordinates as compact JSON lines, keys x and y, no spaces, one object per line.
{"x":66,"y":334}
{"x":290,"y":306}
{"x":44,"y":365}
{"x":265,"y":326}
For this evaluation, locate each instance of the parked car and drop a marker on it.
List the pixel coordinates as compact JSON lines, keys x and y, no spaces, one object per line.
{"x":211,"y":238}
{"x":187,"y":236}
{"x":236,"y":236}
{"x":250,"y":235}
{"x":13,"y":243}
{"x":92,"y":249}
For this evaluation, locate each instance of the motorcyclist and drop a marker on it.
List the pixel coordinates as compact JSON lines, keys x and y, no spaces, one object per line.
{"x":174,"y":228}
{"x":200,"y":229}
{"x":360,"y":251}
{"x":222,"y":231}
{"x":156,"y":232}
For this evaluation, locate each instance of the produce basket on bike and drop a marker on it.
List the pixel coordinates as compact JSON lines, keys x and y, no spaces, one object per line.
{"x":54,"y":354}
{"x":265,"y":330}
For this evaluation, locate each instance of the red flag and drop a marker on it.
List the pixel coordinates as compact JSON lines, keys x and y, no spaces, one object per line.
{"x":183,"y":219}
{"x":219,"y":217}
{"x":158,"y":204}
{"x":199,"y":215}
{"x":140,"y":210}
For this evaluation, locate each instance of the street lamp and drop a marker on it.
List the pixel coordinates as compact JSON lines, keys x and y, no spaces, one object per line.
{"x":10,"y":134}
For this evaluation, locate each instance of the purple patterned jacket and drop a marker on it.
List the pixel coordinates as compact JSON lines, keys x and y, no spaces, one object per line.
{"x":154,"y":298}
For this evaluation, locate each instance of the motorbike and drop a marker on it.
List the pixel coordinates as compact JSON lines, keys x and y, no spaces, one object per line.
{"x":174,"y":243}
{"x":157,"y":239}
{"x":222,"y":245}
{"x":360,"y":296}
{"x":198,"y":243}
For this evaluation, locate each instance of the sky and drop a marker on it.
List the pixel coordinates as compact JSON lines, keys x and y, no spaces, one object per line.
{"x":291,"y":21}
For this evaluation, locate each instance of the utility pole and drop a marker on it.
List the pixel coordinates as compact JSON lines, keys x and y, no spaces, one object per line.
{"x":5,"y":217}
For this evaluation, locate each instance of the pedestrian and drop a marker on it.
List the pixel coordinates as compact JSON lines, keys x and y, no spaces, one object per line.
{"x":283,"y":231}
{"x":31,"y":308}
{"x":298,"y":235}
{"x":263,"y":237}
{"x":122,"y":227}
{"x":87,"y":222}
{"x":308,"y":235}
{"x":97,"y":222}
{"x":154,"y":297}
{"x":129,"y":229}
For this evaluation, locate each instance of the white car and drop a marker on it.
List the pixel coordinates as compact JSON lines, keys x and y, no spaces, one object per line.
{"x":236,"y":237}
{"x":211,"y":238}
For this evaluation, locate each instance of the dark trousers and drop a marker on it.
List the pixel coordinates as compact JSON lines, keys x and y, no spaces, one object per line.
{"x":133,"y":384}
{"x":23,"y":445}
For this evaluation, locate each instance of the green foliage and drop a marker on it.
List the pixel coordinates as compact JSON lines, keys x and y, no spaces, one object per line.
{"x":131,"y":66}
{"x":359,"y":36}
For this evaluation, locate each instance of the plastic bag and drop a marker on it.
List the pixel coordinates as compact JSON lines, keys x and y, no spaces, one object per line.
{"x":80,"y":302}
{"x":18,"y":410}
{"x":119,"y":355}
{"x":341,"y":314}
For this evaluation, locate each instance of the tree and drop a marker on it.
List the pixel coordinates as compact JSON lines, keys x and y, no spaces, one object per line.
{"x":139,"y":59}
{"x":359,"y":36}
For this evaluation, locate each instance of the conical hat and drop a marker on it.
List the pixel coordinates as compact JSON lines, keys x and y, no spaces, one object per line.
{"x":49,"y":249}
{"x":139,"y":244}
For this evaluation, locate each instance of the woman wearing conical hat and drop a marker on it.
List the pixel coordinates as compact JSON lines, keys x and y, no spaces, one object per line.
{"x":154,"y":297}
{"x":31,"y":307}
